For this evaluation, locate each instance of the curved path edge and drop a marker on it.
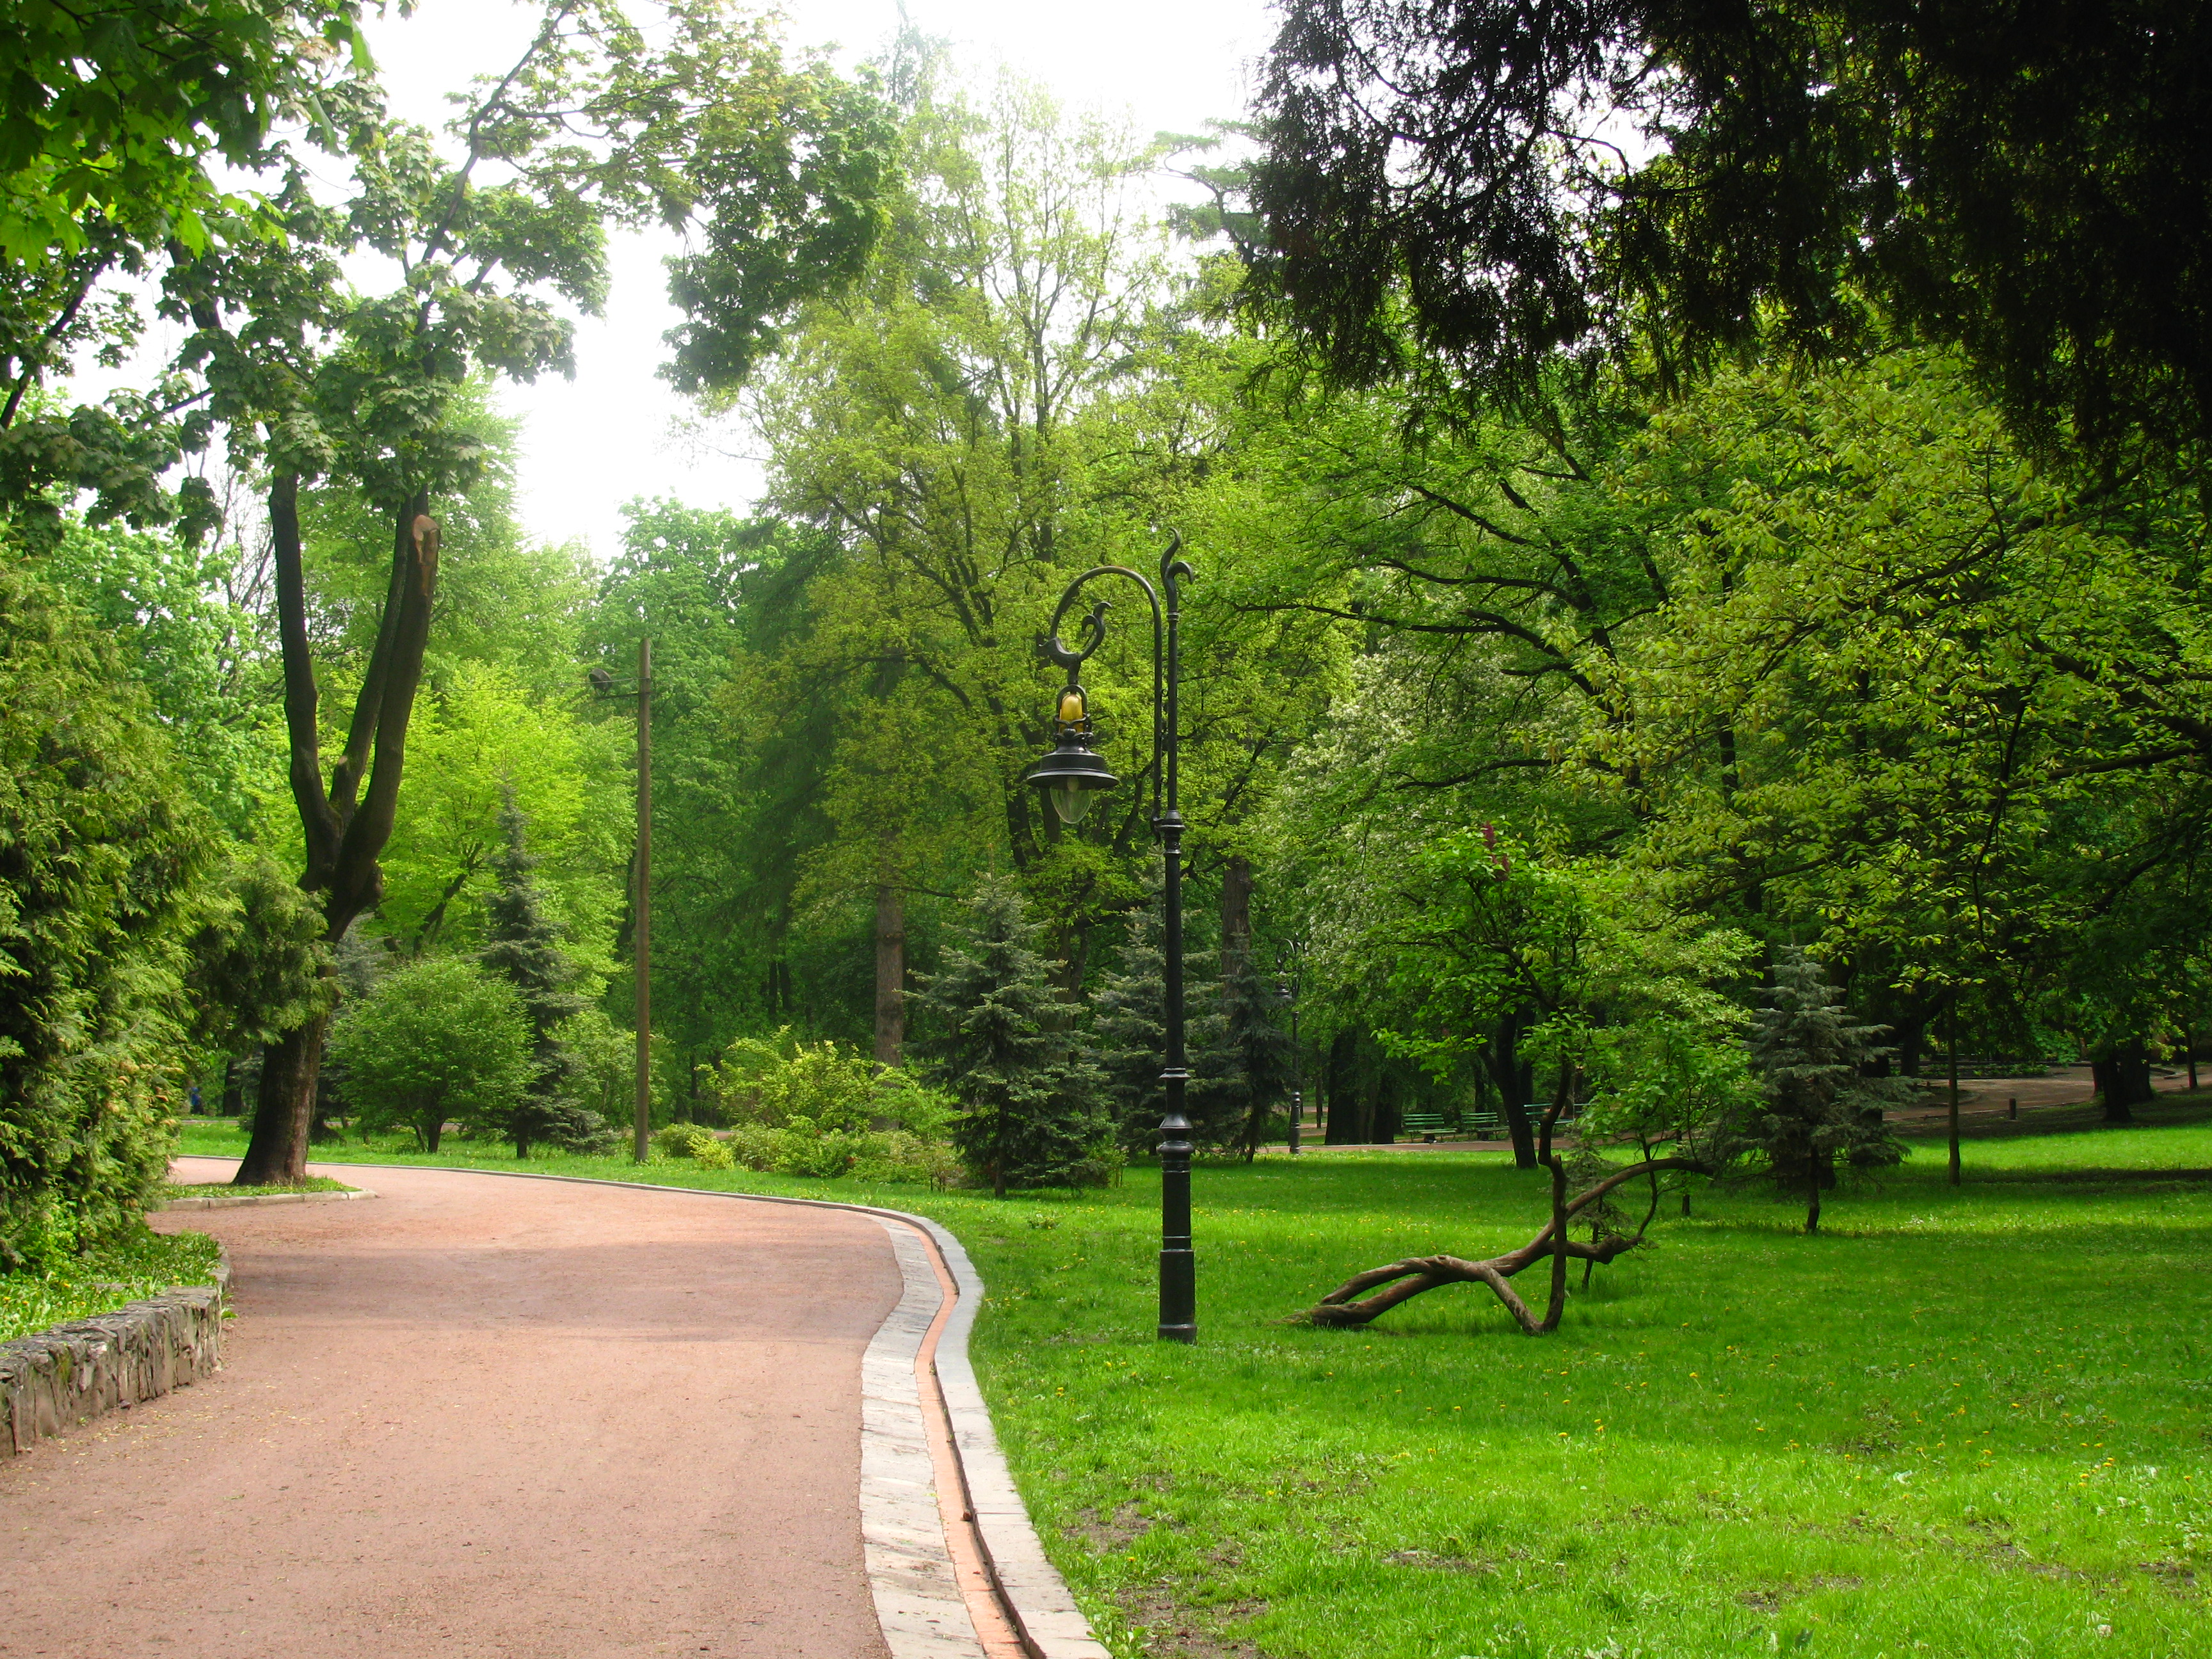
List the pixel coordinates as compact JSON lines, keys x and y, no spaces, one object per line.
{"x":909,"y":1565}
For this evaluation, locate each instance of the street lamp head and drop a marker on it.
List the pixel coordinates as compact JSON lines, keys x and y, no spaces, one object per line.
{"x":1073,"y":771}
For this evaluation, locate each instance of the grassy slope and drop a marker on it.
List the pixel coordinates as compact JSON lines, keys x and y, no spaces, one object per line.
{"x":102,"y":1281}
{"x":1971,"y":1423}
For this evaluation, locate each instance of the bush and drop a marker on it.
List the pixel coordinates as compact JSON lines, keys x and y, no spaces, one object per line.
{"x":889,"y":1156}
{"x":695,"y":1141}
{"x":779,"y":1080}
{"x":102,"y":856}
{"x":435,"y":1040}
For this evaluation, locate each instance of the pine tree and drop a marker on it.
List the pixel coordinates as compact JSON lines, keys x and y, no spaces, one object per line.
{"x":993,"y":1036}
{"x":1256,"y":1052}
{"x":1809,"y":1055}
{"x":1129,"y":1041}
{"x":523,"y":946}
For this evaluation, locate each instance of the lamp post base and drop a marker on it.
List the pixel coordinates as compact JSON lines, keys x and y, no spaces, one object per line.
{"x":1178,"y":1296}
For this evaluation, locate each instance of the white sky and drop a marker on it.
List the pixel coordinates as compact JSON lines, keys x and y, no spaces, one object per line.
{"x":591,"y":444}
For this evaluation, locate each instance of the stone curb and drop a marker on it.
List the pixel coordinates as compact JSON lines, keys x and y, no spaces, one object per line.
{"x":257,"y":1198}
{"x":55,"y":1380}
{"x":1036,"y":1597}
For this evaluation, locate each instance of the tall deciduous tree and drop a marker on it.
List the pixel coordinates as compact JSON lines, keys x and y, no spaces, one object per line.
{"x":591,"y":123}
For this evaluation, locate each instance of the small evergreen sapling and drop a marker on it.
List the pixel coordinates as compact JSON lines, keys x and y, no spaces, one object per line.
{"x":523,"y":947}
{"x":1810,"y":1055}
{"x":993,"y":1036}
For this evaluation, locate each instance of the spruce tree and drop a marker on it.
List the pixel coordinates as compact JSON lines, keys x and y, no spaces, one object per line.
{"x":994,"y":1036}
{"x":1810,"y":1054}
{"x":1129,"y":1041}
{"x":523,"y":947}
{"x":1255,"y":1054}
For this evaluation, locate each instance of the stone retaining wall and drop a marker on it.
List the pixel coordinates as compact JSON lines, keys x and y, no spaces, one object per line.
{"x":53,"y":1381}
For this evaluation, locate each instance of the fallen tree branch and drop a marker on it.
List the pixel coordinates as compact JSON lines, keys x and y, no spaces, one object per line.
{"x":1348,"y":1304}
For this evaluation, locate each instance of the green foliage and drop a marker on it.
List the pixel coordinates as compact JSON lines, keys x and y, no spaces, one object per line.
{"x":101,"y":859}
{"x":133,"y":1264}
{"x":1812,"y":1058}
{"x":995,"y":1040}
{"x":259,"y":965}
{"x":186,"y":621}
{"x":1446,"y":186}
{"x":785,"y":1083}
{"x":119,"y":111}
{"x":523,"y":946}
{"x":437,"y":1039}
{"x":695,"y":1141}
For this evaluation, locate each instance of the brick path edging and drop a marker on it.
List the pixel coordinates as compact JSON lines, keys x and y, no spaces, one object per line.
{"x":55,"y":1380}
{"x":1034,"y":1596}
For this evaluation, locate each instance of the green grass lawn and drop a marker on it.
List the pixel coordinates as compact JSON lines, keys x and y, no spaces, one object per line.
{"x":224,"y":1189}
{"x":1975,"y":1422}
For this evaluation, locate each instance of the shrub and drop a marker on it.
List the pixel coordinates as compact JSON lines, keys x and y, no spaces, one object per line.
{"x":102,"y":854}
{"x":435,"y":1040}
{"x":777,"y":1080}
{"x":682,"y":1139}
{"x":695,"y":1141}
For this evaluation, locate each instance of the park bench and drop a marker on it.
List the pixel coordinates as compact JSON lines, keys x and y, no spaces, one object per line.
{"x":1427,"y":1125}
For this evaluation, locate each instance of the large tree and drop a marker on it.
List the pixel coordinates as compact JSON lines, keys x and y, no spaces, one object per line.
{"x":1665,"y":180}
{"x":490,"y":237}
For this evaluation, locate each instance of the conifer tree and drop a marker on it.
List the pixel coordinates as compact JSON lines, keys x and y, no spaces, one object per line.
{"x":993,"y":1037}
{"x":1809,"y":1054}
{"x":1254,"y":1075}
{"x":1129,"y":1041}
{"x":523,"y":947}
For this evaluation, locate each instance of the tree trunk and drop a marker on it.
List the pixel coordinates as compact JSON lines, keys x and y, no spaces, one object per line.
{"x":891,"y":973}
{"x":1812,"y":1193}
{"x":344,"y":828}
{"x":276,"y":1156}
{"x":2122,"y":1079}
{"x":1341,"y":1080}
{"x":1236,"y":915}
{"x":1514,"y":1078}
{"x":1386,"y":1113}
{"x":233,"y":1088}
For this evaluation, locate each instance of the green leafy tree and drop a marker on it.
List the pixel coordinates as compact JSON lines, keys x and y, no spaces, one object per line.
{"x":1821,"y":1109}
{"x":436,"y":1040}
{"x":594,"y":123}
{"x":996,"y":1040}
{"x":522,"y":946}
{"x":120,"y":110}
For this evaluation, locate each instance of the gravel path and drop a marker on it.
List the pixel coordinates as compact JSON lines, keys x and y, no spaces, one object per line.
{"x":481,"y":1417}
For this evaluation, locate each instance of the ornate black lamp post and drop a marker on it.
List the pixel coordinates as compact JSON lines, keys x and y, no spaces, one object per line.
{"x":1068,"y":776}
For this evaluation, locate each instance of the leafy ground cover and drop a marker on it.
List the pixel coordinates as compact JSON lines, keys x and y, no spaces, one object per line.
{"x":1972,"y":1422}
{"x":104,"y":1279}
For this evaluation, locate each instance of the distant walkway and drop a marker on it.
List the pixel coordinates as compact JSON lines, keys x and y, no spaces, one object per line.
{"x":1979,"y":1098}
{"x":481,"y":1417}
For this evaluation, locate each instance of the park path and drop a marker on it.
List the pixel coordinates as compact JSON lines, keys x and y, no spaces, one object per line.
{"x":478,"y":1416}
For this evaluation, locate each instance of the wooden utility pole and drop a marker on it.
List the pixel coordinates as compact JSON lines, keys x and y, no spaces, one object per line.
{"x":641,"y":912}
